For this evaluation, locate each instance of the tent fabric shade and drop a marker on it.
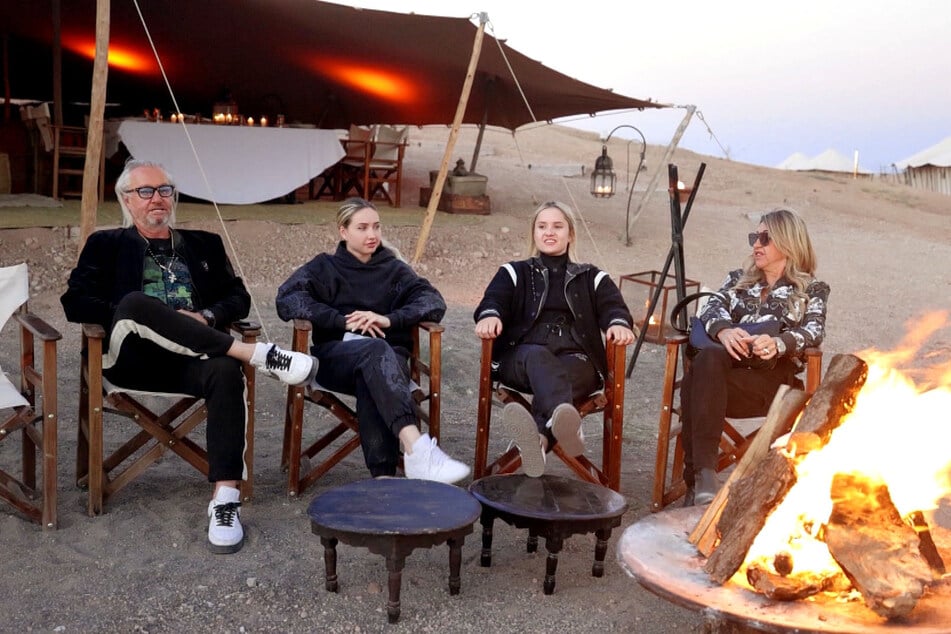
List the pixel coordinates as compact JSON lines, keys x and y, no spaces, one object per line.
{"x":315,"y":62}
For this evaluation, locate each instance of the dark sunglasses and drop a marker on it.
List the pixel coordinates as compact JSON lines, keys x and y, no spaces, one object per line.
{"x":762,"y":236}
{"x":146,"y":193}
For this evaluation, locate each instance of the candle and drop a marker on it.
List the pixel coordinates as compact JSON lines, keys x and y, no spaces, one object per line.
{"x":173,"y":118}
{"x":228,"y":118}
{"x":263,"y":122}
{"x":251,"y":121}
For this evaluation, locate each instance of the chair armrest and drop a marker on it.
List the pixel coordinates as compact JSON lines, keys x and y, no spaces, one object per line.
{"x":93,"y":331}
{"x":677,"y":339}
{"x":246,"y":328}
{"x":431,"y":326}
{"x":38,"y":326}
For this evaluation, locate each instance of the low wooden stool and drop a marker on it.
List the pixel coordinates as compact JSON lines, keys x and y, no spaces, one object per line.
{"x":551,"y":507}
{"x":392,"y":517}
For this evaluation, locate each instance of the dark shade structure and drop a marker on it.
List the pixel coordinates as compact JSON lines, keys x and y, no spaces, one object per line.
{"x":314,"y":62}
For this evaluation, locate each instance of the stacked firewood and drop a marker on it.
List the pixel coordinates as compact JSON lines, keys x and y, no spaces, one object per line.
{"x":890,"y":560}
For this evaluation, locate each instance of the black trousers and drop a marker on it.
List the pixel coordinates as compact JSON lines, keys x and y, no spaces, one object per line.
{"x":377,"y":374}
{"x":551,"y":379}
{"x":712,"y":389}
{"x":157,"y":349}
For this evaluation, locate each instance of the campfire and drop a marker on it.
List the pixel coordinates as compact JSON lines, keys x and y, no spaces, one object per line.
{"x":844,"y":505}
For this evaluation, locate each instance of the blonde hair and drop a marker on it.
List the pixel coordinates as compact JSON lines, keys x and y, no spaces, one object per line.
{"x":569,"y":218}
{"x":350,"y":207}
{"x":788,"y":232}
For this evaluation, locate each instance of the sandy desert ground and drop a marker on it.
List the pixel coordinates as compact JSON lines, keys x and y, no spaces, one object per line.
{"x":143,"y":566}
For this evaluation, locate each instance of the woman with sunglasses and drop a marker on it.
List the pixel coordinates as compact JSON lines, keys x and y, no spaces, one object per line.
{"x":740,"y":378}
{"x":547,"y":314}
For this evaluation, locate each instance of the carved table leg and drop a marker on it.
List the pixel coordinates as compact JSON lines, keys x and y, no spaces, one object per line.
{"x":330,"y":563}
{"x":455,"y":564}
{"x":531,"y":544}
{"x":600,"y":549}
{"x":487,"y":519}
{"x":394,"y":566}
{"x":553,"y":544}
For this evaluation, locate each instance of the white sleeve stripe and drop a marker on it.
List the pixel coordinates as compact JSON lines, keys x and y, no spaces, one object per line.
{"x":511,"y":271}
{"x":597,"y":280}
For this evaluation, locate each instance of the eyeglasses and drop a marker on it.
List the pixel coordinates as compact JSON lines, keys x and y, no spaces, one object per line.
{"x":146,"y":193}
{"x":762,"y":236}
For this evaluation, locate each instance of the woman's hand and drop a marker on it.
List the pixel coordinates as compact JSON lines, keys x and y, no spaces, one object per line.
{"x":737,"y":342}
{"x":621,"y":335}
{"x":367,"y":322}
{"x":488,"y":328}
{"x":764,"y":346}
{"x":742,"y":345}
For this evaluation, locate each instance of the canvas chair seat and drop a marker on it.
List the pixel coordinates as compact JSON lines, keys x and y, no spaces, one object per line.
{"x":30,"y":410}
{"x":164,"y":419}
{"x":738,"y":433}
{"x":329,"y":444}
{"x":609,"y":402}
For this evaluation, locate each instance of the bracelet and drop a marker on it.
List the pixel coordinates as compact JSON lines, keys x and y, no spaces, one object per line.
{"x":780,"y":346}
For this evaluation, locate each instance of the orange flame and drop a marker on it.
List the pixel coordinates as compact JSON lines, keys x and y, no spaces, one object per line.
{"x":898,"y":432}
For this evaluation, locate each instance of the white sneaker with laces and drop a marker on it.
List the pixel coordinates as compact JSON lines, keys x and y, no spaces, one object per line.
{"x":293,"y":368}
{"x":225,"y":534}
{"x":429,"y":462}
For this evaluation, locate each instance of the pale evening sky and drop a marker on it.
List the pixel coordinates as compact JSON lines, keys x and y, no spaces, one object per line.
{"x":769,"y":78}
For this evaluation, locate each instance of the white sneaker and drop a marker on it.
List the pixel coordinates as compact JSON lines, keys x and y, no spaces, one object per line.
{"x":429,"y":462}
{"x":566,"y":428}
{"x":224,"y":526}
{"x":520,"y":426}
{"x":293,"y":368}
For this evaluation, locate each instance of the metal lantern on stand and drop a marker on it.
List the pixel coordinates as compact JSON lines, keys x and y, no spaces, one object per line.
{"x":603,"y":177}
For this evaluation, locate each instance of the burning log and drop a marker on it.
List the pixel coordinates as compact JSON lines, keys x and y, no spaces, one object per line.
{"x":754,"y":496}
{"x":783,"y":588}
{"x":786,"y":406}
{"x":876,"y":550}
{"x":926,"y":543}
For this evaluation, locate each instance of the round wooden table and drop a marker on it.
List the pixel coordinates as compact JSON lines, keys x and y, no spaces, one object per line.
{"x":551,"y":507}
{"x":392,"y":517}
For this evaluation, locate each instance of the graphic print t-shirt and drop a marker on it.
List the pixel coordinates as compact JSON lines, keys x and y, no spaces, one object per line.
{"x":172,"y":285}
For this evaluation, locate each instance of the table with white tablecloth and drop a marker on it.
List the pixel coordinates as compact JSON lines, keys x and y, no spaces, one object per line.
{"x":241,"y":164}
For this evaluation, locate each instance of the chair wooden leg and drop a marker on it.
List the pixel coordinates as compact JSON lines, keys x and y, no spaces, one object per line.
{"x":664,"y":428}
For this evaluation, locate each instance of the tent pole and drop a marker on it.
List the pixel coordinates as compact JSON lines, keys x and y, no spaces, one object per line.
{"x":652,"y":185}
{"x":97,"y":107}
{"x":57,"y":64}
{"x":485,"y":119}
{"x":451,"y":143}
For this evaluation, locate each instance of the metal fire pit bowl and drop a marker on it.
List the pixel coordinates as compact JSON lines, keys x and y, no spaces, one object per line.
{"x":655,"y":551}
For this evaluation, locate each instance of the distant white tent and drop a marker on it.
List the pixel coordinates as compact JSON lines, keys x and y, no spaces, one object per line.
{"x":795,"y":161}
{"x":938,"y":155}
{"x":930,"y":168}
{"x":829,"y":161}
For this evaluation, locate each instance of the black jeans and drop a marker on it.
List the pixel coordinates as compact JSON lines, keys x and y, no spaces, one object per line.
{"x":551,"y":378}
{"x":157,"y":349}
{"x":378,"y":376}
{"x":712,"y":389}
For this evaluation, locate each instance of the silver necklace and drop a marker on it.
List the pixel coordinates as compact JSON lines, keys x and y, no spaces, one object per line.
{"x":166,"y":268}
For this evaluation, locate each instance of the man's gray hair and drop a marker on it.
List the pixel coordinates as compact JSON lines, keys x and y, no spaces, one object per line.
{"x":122,"y":189}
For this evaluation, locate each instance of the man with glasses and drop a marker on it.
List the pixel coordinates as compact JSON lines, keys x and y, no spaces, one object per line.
{"x":166,"y":297}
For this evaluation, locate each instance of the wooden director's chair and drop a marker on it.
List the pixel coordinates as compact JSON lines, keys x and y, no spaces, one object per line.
{"x":609,"y":401}
{"x":21,"y":410}
{"x":737,"y":435}
{"x":343,"y":436}
{"x":163,"y":427}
